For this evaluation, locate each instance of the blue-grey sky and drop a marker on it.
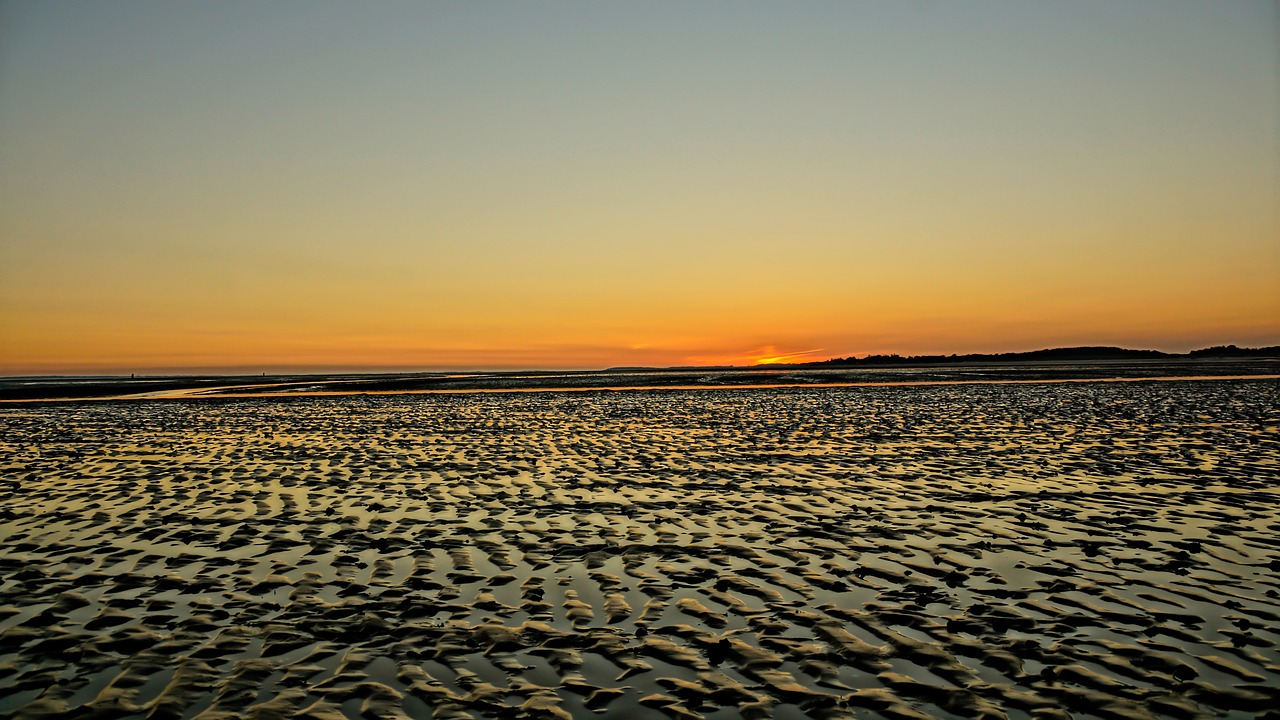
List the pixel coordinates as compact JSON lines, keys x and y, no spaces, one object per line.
{"x":323,"y":184}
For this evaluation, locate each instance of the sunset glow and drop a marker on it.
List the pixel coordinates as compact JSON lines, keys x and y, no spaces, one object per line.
{"x":252,"y":187}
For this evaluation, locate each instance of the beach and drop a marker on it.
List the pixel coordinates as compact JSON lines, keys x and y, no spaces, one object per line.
{"x":1081,"y":549}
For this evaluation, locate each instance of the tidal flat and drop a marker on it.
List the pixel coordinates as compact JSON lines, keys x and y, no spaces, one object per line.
{"x":1054,"y":550}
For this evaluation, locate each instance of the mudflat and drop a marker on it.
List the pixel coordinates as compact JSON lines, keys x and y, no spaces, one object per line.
{"x":1055,"y":550}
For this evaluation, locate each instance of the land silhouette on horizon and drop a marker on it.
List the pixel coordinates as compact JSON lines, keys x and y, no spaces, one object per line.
{"x":1087,"y":353}
{"x":1066,"y":354}
{"x":1053,"y":364}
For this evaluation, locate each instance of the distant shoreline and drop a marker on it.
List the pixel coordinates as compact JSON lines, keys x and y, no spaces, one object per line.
{"x":906,"y":373}
{"x":1092,"y":353}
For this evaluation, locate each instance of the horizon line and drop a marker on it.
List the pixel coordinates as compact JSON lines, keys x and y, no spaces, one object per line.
{"x":329,"y":370}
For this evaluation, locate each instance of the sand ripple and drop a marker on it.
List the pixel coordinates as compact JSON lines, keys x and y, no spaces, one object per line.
{"x":1021,"y":551}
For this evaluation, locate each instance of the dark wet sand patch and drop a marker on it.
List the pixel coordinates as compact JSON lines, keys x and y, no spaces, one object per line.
{"x":1090,"y":550}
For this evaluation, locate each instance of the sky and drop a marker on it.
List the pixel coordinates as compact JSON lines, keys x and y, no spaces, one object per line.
{"x":245,"y":186}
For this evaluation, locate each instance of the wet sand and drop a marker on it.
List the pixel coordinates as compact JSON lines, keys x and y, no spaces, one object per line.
{"x":18,"y":390}
{"x":1084,"y":550}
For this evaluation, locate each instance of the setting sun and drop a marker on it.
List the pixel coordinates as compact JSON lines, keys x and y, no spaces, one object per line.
{"x":654,"y":359}
{"x":463,"y":186}
{"x":769,"y":355}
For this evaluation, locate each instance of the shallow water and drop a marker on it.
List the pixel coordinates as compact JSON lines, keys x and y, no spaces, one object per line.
{"x":934,"y":551}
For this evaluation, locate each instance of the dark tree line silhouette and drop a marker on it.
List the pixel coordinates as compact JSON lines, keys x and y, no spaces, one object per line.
{"x":1073,"y":354}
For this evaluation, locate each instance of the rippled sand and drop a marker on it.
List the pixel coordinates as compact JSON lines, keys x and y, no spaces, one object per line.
{"x":1047,"y":551}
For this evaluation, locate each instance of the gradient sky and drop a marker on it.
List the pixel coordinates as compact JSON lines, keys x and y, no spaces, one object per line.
{"x":187,"y":186}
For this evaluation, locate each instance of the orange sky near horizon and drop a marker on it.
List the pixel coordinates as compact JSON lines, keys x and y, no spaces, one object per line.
{"x":418,"y":186}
